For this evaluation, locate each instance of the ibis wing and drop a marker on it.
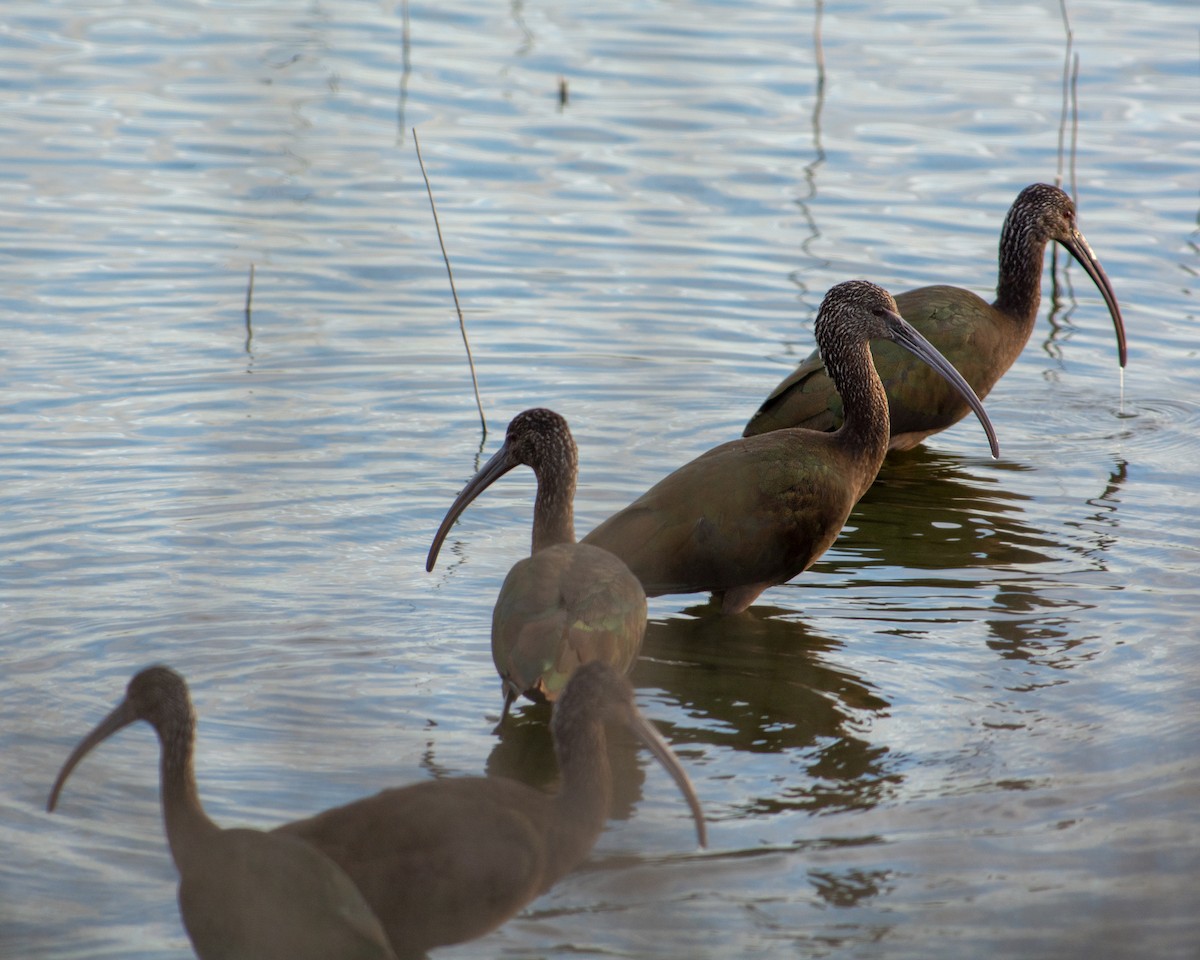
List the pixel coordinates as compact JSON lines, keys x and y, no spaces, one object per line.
{"x":960,"y":324}
{"x":566,"y":605}
{"x":276,"y":896}
{"x":440,"y":861}
{"x":805,"y":398}
{"x":753,"y":511}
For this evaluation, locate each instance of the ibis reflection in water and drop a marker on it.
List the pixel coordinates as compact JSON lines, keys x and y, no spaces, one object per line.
{"x":981,"y":339}
{"x":243,"y":894}
{"x":567,"y":603}
{"x":444,"y":861}
{"x":757,"y":511}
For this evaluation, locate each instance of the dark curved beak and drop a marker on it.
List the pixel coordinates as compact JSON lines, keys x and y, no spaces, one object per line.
{"x":1078,"y":247}
{"x":490,"y":472}
{"x":121,"y":717}
{"x":663,"y":753}
{"x":903,"y":333}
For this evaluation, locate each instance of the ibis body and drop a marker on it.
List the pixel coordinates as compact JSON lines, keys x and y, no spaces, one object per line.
{"x":243,"y":894}
{"x":755,"y":512}
{"x":448,"y":860}
{"x":567,"y":603}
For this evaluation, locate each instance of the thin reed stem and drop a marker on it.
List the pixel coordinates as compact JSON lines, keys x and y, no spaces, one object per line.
{"x":462,"y":324}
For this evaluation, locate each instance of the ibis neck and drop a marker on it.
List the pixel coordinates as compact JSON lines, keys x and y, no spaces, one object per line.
{"x":1019,"y":282}
{"x":864,"y":403}
{"x":585,"y":794}
{"x":188,"y":826}
{"x":554,"y":509}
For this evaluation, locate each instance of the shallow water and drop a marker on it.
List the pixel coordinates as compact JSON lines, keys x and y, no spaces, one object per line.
{"x":969,"y":730}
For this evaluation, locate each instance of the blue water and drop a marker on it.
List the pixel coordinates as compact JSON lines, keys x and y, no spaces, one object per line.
{"x":969,"y":730}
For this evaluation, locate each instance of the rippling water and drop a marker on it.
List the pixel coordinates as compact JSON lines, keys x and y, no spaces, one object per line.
{"x":969,"y":730}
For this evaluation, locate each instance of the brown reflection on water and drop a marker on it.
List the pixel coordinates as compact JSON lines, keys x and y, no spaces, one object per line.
{"x":1027,"y":625}
{"x":525,"y":751}
{"x":851,"y":888}
{"x":927,"y":511}
{"x":758,"y":683}
{"x":1101,"y":524}
{"x":755,"y":683}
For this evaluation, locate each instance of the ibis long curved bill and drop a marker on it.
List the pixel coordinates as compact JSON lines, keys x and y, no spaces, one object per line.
{"x":500,"y":463}
{"x":905,"y":334}
{"x":124,"y":714}
{"x":663,"y":753}
{"x":1081,"y":250}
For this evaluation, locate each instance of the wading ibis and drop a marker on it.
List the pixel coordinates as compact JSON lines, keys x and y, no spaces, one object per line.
{"x":448,"y":860}
{"x":757,"y":511}
{"x":243,"y":894}
{"x":567,"y":603}
{"x":981,"y":339}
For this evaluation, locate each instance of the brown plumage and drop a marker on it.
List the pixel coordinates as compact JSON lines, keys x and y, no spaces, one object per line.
{"x":567,"y":603}
{"x":243,"y":894}
{"x":755,"y":512}
{"x":982,"y":340}
{"x":448,"y":860}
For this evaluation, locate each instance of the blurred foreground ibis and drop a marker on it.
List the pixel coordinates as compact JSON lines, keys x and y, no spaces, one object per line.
{"x":243,"y":894}
{"x":447,"y":860}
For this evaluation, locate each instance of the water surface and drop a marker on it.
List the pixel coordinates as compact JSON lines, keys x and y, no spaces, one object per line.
{"x":969,"y":730}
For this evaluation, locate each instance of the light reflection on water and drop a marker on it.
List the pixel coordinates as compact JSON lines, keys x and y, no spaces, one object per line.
{"x":968,"y":730}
